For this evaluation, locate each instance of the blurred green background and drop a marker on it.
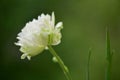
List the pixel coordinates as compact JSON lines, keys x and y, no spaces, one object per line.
{"x":84,"y":21}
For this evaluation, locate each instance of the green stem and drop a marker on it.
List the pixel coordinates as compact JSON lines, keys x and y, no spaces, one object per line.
{"x":109,"y":57}
{"x":61,"y":63}
{"x":88,"y":66}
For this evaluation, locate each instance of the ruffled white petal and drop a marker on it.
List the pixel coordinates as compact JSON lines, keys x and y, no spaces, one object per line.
{"x":59,"y":25}
{"x":53,"y":19}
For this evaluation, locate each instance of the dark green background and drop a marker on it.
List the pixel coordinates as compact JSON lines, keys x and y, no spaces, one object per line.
{"x":84,"y":21}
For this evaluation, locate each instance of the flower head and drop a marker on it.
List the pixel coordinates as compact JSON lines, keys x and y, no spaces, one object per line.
{"x":38,"y":34}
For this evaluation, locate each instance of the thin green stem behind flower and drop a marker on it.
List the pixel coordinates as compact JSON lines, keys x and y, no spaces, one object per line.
{"x":109,"y":56}
{"x":88,"y":66}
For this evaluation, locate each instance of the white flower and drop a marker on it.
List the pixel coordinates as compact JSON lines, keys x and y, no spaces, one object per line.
{"x":38,"y":34}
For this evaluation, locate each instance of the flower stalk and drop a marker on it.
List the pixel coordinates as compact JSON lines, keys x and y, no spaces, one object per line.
{"x":60,"y":62}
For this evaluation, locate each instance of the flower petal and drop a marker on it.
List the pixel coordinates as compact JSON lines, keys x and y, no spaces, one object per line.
{"x":53,"y":19}
{"x":59,"y":25}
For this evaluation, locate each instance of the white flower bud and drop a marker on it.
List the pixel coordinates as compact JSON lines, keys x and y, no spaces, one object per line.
{"x":38,"y":34}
